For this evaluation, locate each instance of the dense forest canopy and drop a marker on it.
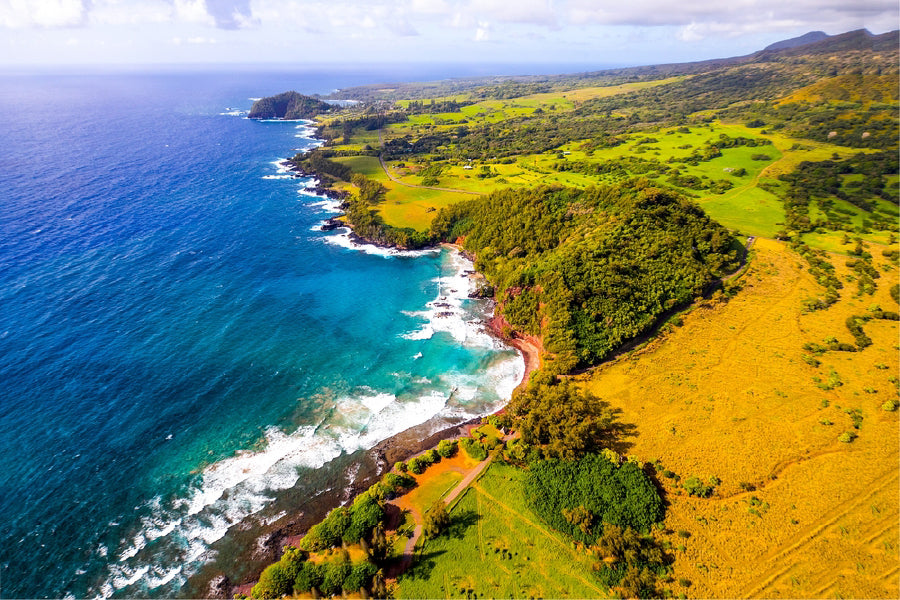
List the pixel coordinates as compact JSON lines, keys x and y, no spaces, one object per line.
{"x":590,"y":269}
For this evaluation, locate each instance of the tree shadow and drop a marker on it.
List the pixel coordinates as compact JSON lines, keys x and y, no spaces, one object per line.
{"x":423,"y":566}
{"x":461,"y":521}
{"x":617,"y":434}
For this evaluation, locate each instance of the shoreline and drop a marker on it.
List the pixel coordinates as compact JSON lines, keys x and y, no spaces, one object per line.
{"x":252,"y":548}
{"x":249,"y":547}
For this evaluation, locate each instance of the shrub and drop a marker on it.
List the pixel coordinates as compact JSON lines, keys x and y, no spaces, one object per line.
{"x":431,"y":456}
{"x":447,"y":448}
{"x":273,"y":583}
{"x":365,"y":514}
{"x":335,"y":575}
{"x":890,"y":406}
{"x":400,"y":466}
{"x":417,"y":465}
{"x":309,"y":576}
{"x":395,"y":482}
{"x":695,"y":487}
{"x":847,"y":437}
{"x":360,"y":576}
{"x":612,"y":494}
{"x":436,"y":519}
{"x":473,"y":449}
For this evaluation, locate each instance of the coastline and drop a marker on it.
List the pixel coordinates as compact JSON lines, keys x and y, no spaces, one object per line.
{"x":239,"y":558}
{"x":249,"y":548}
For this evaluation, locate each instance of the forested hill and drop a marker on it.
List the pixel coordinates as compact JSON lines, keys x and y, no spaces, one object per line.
{"x":288,"y":105}
{"x":590,"y":269}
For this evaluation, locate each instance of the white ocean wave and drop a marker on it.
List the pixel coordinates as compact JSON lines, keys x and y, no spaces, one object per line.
{"x":342,"y":239}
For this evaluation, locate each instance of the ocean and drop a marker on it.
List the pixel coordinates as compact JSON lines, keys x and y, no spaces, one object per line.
{"x":181,"y":349}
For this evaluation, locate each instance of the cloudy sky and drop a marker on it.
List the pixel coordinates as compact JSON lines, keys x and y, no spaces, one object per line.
{"x":313,"y":32}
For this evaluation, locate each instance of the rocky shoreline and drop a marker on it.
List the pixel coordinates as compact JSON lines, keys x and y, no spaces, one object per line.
{"x":251,"y":548}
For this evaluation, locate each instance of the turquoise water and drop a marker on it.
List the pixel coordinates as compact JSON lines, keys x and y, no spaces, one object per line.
{"x":178,"y":341}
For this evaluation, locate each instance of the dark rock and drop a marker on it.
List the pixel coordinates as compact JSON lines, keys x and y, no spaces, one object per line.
{"x":220,"y":587}
{"x":332,"y":224}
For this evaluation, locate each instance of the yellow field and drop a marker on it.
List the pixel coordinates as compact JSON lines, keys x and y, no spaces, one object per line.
{"x":729,"y":395}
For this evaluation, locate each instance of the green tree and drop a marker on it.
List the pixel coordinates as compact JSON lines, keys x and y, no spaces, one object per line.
{"x":436,"y":519}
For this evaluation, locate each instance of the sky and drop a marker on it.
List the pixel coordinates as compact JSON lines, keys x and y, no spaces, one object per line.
{"x":298,"y":33}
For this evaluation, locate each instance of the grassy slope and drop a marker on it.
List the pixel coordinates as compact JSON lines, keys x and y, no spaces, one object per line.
{"x":733,"y":379}
{"x":489,"y":518}
{"x":747,"y":207}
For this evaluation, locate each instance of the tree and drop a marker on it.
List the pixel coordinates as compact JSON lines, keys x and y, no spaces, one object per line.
{"x":566,"y":419}
{"x":436,"y":519}
{"x":273,"y":583}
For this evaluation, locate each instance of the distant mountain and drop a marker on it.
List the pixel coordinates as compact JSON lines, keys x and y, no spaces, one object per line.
{"x":807,"y":38}
{"x":288,"y":105}
{"x":860,"y":39}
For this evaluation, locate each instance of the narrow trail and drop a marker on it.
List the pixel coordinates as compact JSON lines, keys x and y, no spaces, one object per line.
{"x":472,"y":475}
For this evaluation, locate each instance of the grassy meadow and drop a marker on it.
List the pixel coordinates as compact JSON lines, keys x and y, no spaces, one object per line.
{"x":730,"y":395}
{"x":497,"y":547}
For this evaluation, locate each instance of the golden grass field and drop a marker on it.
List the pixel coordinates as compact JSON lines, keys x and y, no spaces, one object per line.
{"x":729,"y":395}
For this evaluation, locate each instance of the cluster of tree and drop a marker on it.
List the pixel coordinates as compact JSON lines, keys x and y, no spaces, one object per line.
{"x":510,"y":89}
{"x":589,"y":269}
{"x":431,"y":173}
{"x":563,"y":419}
{"x":294,"y":574}
{"x":824,"y":274}
{"x":369,"y":190}
{"x":369,"y":225}
{"x":581,"y":497}
{"x":317,"y":162}
{"x":433,"y":106}
{"x":288,"y":105}
{"x":823,"y":181}
{"x":346,"y":525}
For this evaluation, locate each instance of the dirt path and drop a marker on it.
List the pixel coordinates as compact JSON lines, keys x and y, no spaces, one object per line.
{"x":411,"y":185}
{"x":472,"y":475}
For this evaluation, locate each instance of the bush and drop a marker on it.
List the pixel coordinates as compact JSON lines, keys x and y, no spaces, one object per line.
{"x":400,"y":466}
{"x":273,"y":583}
{"x":310,"y":576}
{"x":847,"y":437}
{"x":613,"y":494}
{"x":360,"y":576}
{"x":473,"y":449}
{"x":365,"y":514}
{"x":431,"y":456}
{"x":695,"y":487}
{"x":335,"y":575}
{"x":417,"y":465}
{"x":436,"y":519}
{"x":447,"y":448}
{"x":329,"y":532}
{"x":395,"y":482}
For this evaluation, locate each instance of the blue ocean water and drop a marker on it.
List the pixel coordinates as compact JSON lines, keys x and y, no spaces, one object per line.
{"x":178,"y":341}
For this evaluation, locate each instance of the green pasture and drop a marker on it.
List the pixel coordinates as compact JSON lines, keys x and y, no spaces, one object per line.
{"x":497,"y":548}
{"x":403,"y":206}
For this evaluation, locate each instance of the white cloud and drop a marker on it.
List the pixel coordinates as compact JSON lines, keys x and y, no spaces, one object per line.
{"x":535,"y":12}
{"x":483,"y":33}
{"x":130,"y":12}
{"x":20,"y":14}
{"x":193,"y":11}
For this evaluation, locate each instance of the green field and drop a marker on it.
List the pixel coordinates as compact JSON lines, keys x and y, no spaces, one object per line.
{"x":497,"y":548}
{"x":403,"y":206}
